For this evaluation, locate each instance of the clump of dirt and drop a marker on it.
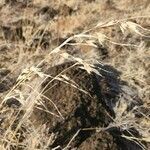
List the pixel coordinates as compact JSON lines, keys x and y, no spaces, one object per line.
{"x":6,"y":81}
{"x":74,"y":101}
{"x":102,"y":140}
{"x":47,"y":13}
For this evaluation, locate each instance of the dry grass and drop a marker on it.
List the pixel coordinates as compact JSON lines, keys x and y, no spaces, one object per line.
{"x":124,"y":32}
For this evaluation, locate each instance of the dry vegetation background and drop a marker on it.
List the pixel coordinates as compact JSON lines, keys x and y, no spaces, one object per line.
{"x":38,"y":34}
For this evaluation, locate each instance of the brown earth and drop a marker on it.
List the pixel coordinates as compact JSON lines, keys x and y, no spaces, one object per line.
{"x":80,"y":104}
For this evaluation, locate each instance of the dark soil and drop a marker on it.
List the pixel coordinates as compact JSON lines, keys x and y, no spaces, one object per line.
{"x":79,"y":110}
{"x":6,"y":80}
{"x":102,"y":140}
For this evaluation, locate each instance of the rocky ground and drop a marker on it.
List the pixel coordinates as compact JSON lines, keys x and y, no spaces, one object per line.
{"x":74,"y":74}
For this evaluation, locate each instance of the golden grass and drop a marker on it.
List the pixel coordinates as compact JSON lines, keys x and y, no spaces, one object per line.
{"x":109,"y":26}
